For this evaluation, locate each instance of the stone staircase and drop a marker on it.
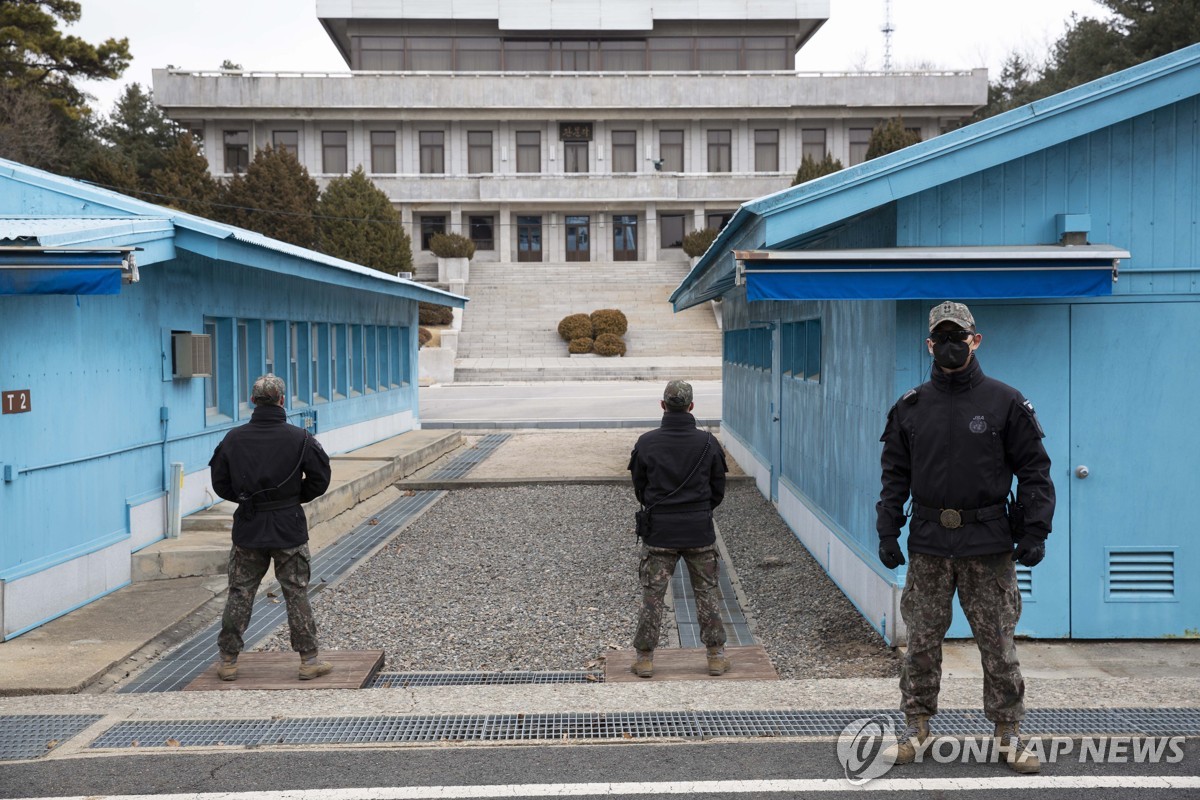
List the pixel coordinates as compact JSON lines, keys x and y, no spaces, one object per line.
{"x":509,"y":329}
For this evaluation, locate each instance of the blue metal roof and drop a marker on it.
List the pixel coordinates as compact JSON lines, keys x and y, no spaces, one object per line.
{"x":778,"y":220}
{"x":83,"y":232}
{"x":335,"y":269}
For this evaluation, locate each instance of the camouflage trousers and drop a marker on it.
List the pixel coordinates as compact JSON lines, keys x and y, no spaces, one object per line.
{"x":246,"y":570}
{"x":989,"y":596}
{"x":655,"y":572}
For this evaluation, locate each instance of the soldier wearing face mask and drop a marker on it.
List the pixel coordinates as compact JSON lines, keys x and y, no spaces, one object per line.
{"x":953,"y":446}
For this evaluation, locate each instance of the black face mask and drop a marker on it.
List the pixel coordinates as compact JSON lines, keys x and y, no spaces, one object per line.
{"x":951,"y":355}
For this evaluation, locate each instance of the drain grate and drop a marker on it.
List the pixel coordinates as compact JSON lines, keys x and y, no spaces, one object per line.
{"x":617,"y":726}
{"x":737,"y":630}
{"x":406,"y":680}
{"x":35,"y":735}
{"x":181,"y":666}
{"x":466,"y":461}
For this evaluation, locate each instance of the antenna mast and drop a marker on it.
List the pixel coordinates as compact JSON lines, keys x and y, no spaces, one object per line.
{"x":887,"y":30}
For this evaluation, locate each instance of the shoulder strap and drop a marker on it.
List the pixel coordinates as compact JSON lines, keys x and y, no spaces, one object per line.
{"x":689,"y":475}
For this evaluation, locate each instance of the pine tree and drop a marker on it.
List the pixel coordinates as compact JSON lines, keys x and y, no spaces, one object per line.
{"x":276,"y":197}
{"x":139,"y":132}
{"x":810,"y":168}
{"x":358,"y":223}
{"x":184,"y":181}
{"x":890,"y":136}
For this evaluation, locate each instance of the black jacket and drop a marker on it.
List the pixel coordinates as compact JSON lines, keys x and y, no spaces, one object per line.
{"x":261,"y":455}
{"x":661,"y":461}
{"x":955,"y":442}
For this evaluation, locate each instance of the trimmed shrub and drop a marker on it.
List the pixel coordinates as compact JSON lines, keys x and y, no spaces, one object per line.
{"x":423,"y":336}
{"x":575,"y":326}
{"x":581,"y":345}
{"x":609,"y":344}
{"x":432,"y":314}
{"x":609,"y":320}
{"x":451,"y":245}
{"x":890,"y":136}
{"x":696,"y":242}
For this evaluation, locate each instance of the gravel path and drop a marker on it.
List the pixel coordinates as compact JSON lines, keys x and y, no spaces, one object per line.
{"x":544,"y":578}
{"x":802,"y":618}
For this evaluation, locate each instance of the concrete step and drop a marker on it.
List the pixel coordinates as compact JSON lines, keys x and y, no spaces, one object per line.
{"x":204,"y":542}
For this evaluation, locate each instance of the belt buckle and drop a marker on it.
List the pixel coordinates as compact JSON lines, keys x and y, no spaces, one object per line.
{"x":950,"y":518}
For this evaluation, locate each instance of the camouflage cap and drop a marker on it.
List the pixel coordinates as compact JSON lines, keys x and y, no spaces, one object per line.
{"x":678,"y":395}
{"x":951,"y":312}
{"x":270,"y":389}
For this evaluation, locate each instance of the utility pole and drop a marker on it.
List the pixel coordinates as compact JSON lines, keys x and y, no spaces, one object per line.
{"x":887,"y":30}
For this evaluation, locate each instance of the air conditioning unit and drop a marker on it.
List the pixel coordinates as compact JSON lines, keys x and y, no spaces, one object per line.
{"x":192,"y":355}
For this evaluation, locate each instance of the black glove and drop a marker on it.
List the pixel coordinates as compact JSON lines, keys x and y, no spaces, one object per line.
{"x":1030,"y":550}
{"x":889,"y":552}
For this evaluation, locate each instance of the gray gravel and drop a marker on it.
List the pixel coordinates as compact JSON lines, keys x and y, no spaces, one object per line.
{"x":522,"y":578}
{"x":544,"y":578}
{"x":804,"y":621}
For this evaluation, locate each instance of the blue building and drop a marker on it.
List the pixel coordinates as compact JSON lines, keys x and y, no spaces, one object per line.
{"x":1072,"y":228}
{"x":129,"y":336}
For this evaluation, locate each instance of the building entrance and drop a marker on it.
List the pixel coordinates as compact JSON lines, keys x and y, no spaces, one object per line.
{"x":625,"y":237}
{"x":529,"y":238}
{"x":579,"y":246}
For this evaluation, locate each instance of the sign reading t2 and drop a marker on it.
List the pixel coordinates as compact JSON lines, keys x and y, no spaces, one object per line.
{"x":15,"y":402}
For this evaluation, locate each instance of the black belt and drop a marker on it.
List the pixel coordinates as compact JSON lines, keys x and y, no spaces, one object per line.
{"x":957,"y":517}
{"x":276,"y":505}
{"x":684,"y":507}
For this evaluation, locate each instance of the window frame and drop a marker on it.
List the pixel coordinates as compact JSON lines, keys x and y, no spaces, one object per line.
{"x":241,"y":151}
{"x":477,"y":150}
{"x":475,"y":228}
{"x":723,"y":150}
{"x":386,"y":146}
{"x":432,"y":154}
{"x":329,"y":151}
{"x":527,"y":151}
{"x":625,"y":151}
{"x":772,"y":147}
{"x":669,"y":152}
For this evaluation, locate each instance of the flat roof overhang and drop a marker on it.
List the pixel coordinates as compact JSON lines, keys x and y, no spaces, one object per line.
{"x":915,"y":273}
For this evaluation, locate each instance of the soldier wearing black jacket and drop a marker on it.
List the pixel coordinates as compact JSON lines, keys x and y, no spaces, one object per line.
{"x":678,"y":474}
{"x":269,"y":468}
{"x":953,"y":446}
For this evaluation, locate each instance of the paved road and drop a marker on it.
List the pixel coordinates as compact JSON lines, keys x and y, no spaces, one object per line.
{"x":556,"y":404}
{"x":759,"y":769}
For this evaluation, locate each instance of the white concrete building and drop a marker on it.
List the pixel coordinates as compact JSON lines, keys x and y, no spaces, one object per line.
{"x":556,"y":130}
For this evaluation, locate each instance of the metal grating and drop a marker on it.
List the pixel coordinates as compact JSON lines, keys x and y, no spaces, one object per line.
{"x":737,"y":630}
{"x":407,"y":680}
{"x":181,"y":666}
{"x":466,"y":461}
{"x":619,"y":726}
{"x":1141,"y":574}
{"x":30,"y":736}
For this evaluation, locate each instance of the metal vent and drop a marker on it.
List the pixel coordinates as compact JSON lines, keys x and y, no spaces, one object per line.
{"x":193,"y":355}
{"x":1139,"y":575}
{"x":1025,"y":581}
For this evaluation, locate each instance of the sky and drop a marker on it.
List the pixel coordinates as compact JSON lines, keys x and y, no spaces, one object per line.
{"x":285,"y":35}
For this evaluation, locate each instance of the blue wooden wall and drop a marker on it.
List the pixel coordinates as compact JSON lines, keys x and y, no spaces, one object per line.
{"x":94,"y":366}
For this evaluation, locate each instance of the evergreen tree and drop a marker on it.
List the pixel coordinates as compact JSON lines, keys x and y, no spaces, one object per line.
{"x":890,"y":136}
{"x":184,"y":181}
{"x":276,"y":197}
{"x":358,"y":223}
{"x":139,"y":132}
{"x":810,"y":168}
{"x":36,"y":55}
{"x":1089,"y":49}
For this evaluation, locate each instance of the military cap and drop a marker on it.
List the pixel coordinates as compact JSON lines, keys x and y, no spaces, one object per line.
{"x":678,"y":395}
{"x":949,"y":311}
{"x":269,"y":389}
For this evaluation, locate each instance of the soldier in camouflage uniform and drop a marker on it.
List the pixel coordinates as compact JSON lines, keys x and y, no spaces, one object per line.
{"x":953,"y":445}
{"x":678,"y":473}
{"x":269,"y":468}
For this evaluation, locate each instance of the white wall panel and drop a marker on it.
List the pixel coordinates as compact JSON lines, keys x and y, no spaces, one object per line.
{"x":147,"y":523}
{"x":39,"y":597}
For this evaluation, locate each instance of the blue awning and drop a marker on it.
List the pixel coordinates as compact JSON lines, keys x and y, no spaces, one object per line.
{"x":966,"y":273}
{"x":27,"y":271}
